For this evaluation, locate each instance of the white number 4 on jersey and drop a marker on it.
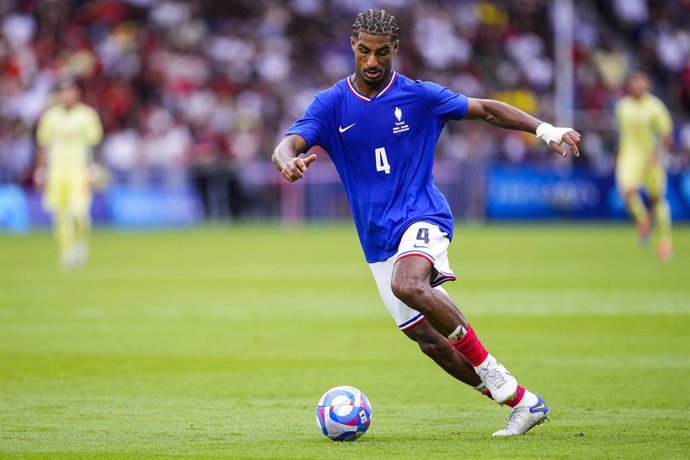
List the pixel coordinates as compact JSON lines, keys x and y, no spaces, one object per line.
{"x":382,"y":161}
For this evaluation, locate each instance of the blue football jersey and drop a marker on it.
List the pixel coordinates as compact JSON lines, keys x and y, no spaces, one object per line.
{"x":383,"y":148}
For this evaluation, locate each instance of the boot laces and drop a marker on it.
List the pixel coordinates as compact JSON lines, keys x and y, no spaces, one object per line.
{"x":496,"y":377}
{"x":515,"y":418}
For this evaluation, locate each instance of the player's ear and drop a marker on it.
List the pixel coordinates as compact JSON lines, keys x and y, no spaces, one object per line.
{"x":352,"y":43}
{"x":396,"y":45}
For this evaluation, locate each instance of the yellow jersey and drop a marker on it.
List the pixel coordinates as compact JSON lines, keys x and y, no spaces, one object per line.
{"x":68,"y":135}
{"x":642,"y":123}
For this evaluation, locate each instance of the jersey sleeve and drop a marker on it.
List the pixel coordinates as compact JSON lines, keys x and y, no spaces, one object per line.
{"x":43,"y":132}
{"x":445,"y":104}
{"x":313,"y":125}
{"x":618,"y":112}
{"x":93,"y":128}
{"x":662,"y":120}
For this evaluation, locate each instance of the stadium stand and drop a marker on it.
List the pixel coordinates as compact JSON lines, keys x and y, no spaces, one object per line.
{"x":202,"y":88}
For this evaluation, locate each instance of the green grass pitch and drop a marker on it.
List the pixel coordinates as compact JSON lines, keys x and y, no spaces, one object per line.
{"x":218,"y":342}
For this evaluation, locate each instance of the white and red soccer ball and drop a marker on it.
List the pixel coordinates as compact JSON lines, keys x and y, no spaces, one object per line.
{"x":343,"y":413}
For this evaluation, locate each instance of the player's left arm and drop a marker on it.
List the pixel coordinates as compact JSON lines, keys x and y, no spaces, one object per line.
{"x":664,"y":124}
{"x":93,"y":136}
{"x":506,"y":116}
{"x":93,"y":128}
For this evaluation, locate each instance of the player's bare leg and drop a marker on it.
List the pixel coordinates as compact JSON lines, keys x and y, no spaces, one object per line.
{"x":638,"y":211}
{"x":662,"y":215}
{"x":438,"y":348}
{"x":82,"y":224}
{"x":411,"y":283}
{"x":63,"y":226}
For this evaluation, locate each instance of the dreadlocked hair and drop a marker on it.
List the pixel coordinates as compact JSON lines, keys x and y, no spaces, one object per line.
{"x":376,"y":22}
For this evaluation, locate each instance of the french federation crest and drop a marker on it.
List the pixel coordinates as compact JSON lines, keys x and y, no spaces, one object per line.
{"x":400,"y":125}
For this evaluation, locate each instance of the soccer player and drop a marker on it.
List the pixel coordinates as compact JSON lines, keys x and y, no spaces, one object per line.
{"x":380,"y":128}
{"x":67,"y":132}
{"x":645,"y":132}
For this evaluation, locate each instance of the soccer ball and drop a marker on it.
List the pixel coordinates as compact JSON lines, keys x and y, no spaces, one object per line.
{"x":343,"y":413}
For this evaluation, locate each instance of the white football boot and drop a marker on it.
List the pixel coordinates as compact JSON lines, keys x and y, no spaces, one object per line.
{"x":81,"y":254}
{"x":68,"y":261}
{"x":500,"y":383}
{"x":528,"y":413}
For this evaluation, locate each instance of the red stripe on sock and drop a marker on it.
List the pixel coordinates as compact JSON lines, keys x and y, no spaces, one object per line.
{"x":471,"y":348}
{"x":518,"y":397}
{"x":473,"y":355}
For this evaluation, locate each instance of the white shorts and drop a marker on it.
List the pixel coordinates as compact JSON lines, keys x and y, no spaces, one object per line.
{"x":421,"y":239}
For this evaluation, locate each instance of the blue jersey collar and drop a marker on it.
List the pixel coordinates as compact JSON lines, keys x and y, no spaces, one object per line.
{"x":362,"y":97}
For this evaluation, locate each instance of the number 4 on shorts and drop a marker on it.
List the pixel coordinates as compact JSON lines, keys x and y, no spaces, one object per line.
{"x":423,"y":235}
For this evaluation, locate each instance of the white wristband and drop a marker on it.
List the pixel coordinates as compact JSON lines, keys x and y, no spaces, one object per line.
{"x":547,"y":132}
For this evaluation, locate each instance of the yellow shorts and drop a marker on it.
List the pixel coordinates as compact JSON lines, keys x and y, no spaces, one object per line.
{"x":635,"y":175}
{"x":68,"y":194}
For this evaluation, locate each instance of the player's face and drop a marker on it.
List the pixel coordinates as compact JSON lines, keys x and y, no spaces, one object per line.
{"x":638,"y":85}
{"x":373,"y":57}
{"x":68,"y":96}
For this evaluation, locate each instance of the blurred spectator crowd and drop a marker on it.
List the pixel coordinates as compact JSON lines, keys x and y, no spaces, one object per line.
{"x":207,"y":87}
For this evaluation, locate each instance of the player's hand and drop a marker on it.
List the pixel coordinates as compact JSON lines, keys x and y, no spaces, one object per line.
{"x":296,"y":167}
{"x":40,"y":177}
{"x":554,"y":137}
{"x":572,"y":139}
{"x":99,"y":177}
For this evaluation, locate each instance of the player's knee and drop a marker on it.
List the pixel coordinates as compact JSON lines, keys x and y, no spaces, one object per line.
{"x":629,"y":194}
{"x":412,"y":292}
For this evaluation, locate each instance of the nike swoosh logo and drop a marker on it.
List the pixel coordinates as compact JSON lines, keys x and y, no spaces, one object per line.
{"x":342,"y":130}
{"x":540,"y":406}
{"x":417,"y":246}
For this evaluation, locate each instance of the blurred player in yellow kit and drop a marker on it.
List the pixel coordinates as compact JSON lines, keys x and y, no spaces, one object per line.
{"x":67,"y":132}
{"x":645,"y":133}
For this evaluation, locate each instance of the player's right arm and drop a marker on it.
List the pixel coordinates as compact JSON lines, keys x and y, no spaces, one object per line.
{"x":40,"y":173}
{"x":618,"y":113}
{"x":43,"y":135}
{"x":305,"y":133}
{"x":286,"y":160}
